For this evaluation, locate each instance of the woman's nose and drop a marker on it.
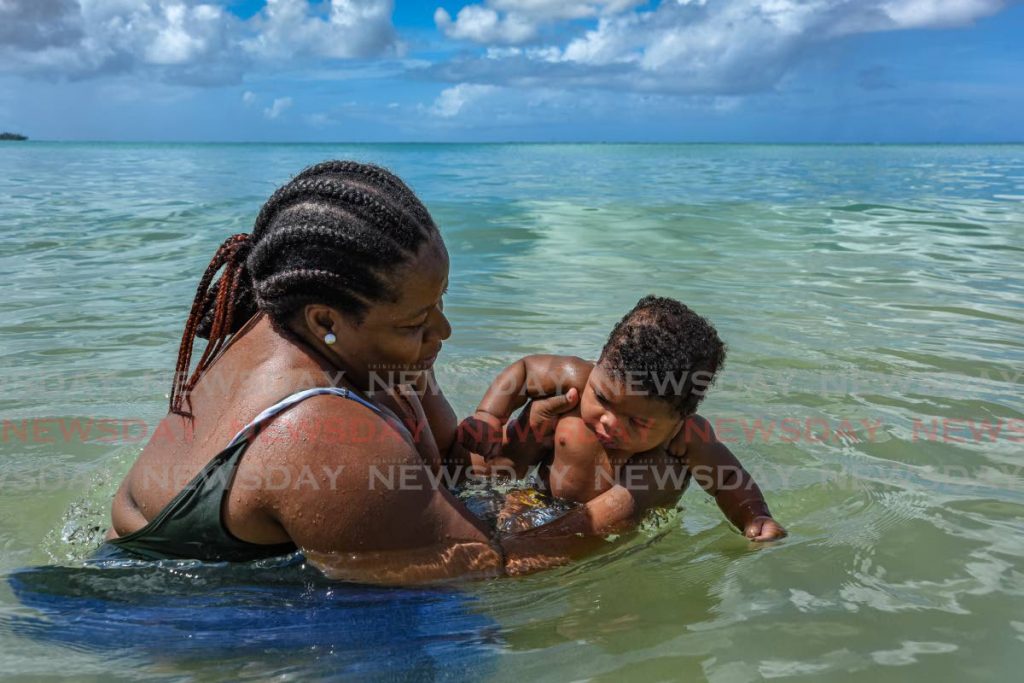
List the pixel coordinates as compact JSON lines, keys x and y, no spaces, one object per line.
{"x":441,"y":327}
{"x":608,"y":422}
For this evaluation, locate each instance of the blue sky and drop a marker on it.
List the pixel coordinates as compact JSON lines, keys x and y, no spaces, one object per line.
{"x":504,"y":70}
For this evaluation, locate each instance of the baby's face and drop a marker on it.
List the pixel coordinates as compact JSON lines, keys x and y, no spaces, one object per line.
{"x":624,"y":417}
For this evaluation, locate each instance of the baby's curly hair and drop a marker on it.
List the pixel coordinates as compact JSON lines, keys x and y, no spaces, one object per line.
{"x":666,"y":348}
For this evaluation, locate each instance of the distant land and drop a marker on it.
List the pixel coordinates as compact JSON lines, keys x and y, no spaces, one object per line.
{"x":12,"y":136}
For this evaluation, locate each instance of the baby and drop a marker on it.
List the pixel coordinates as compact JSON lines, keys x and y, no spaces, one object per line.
{"x":635,"y":440}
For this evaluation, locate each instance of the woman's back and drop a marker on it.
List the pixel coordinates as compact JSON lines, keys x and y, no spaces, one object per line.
{"x":258,"y":369}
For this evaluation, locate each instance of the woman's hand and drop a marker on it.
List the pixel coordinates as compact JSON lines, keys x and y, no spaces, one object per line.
{"x":764,"y":529}
{"x":545,"y":412}
{"x":481,"y":433}
{"x":531,"y":436}
{"x":510,"y":449}
{"x":485,"y":435}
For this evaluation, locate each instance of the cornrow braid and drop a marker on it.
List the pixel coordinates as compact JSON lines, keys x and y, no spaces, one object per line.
{"x":332,"y":235}
{"x":355,"y":170}
{"x":337,"y":190}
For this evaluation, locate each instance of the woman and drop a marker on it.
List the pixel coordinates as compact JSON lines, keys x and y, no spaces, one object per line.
{"x":311,"y":420}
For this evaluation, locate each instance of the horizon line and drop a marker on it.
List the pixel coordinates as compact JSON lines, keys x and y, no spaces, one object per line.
{"x":517,"y":142}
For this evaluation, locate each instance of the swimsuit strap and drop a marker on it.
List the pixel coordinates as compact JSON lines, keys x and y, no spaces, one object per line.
{"x":191,"y":525}
{"x":287,"y":402}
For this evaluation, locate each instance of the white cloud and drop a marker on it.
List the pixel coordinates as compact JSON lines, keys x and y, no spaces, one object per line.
{"x":279,"y":106}
{"x":533,"y":113}
{"x":484,"y":25}
{"x":319,"y":120}
{"x":248,"y":98}
{"x":716,"y":40}
{"x":519,"y":21}
{"x":117,"y":35}
{"x":723,"y":47}
{"x":184,"y":33}
{"x":688,"y":46}
{"x":352,"y":28}
{"x":563,"y":9}
{"x":190,"y":41}
{"x":452,"y":100}
{"x":882,"y":15}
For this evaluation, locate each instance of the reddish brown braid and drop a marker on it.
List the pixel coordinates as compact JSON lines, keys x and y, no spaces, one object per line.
{"x":231,"y":256}
{"x":332,"y":235}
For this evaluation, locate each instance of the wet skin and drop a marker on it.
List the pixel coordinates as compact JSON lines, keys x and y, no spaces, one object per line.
{"x":346,"y":525}
{"x":619,"y":443}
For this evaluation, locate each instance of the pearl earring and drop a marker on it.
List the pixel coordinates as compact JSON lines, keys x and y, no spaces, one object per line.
{"x":329,"y":338}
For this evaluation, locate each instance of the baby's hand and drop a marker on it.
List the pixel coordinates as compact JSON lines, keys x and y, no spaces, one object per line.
{"x":481,"y":433}
{"x":764,"y":529}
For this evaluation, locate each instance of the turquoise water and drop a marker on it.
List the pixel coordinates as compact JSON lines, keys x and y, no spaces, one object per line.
{"x":872,"y":298}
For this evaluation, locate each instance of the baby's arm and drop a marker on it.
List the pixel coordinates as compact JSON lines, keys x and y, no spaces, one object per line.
{"x":532,"y":377}
{"x":721,"y":474}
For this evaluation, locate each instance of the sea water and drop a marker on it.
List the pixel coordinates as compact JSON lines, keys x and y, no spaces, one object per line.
{"x":873,"y":303}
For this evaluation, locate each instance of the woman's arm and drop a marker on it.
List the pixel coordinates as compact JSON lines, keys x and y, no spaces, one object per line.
{"x":387,"y":517}
{"x":656,"y":481}
{"x":575,"y":534}
{"x":441,"y":417}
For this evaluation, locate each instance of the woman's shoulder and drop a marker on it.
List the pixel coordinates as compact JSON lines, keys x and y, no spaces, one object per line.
{"x":336,"y":474}
{"x":326,"y":425}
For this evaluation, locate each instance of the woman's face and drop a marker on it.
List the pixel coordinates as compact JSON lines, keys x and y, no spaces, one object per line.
{"x":396,"y":340}
{"x":625,"y":418}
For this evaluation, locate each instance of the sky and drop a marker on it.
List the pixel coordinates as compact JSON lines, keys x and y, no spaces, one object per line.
{"x":845,"y":71}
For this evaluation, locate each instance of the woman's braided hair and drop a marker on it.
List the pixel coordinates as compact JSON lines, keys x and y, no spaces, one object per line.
{"x":332,"y":235}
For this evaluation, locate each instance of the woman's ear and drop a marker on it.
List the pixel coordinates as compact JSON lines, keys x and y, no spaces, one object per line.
{"x":320,"y":319}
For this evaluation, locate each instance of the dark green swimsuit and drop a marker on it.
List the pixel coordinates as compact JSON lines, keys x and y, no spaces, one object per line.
{"x":191,"y":527}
